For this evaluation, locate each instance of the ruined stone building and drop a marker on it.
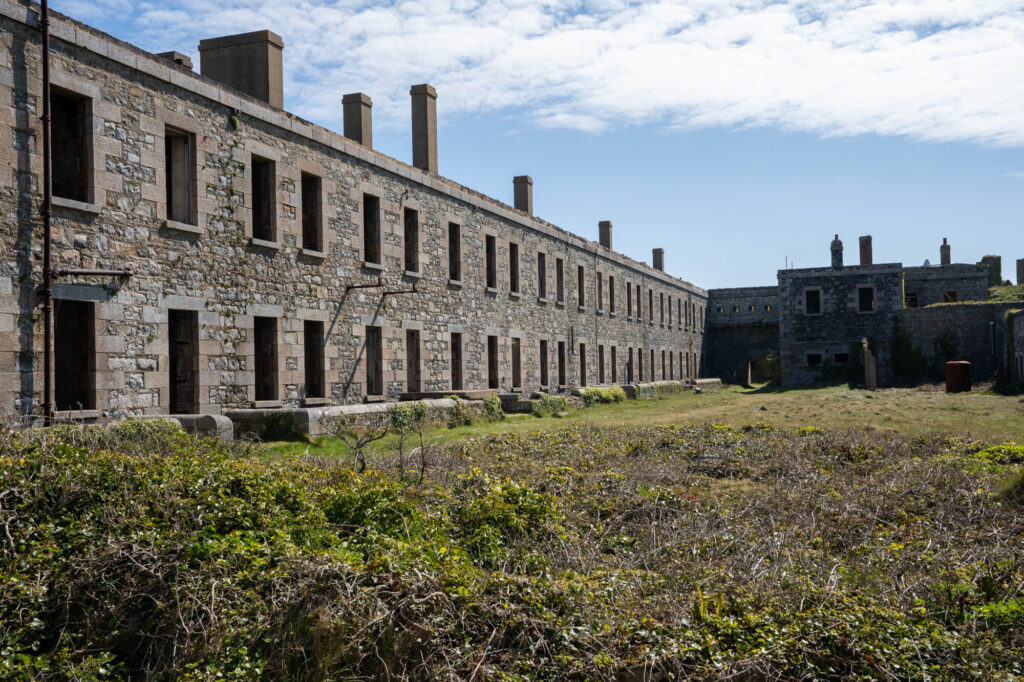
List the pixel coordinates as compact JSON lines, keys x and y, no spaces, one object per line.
{"x":876,"y":324}
{"x":269,"y":262}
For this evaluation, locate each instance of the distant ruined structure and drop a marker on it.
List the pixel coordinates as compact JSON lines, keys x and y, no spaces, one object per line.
{"x":212,"y":252}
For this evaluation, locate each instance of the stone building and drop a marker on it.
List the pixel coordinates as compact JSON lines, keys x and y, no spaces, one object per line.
{"x":869,"y":323}
{"x":266,"y":261}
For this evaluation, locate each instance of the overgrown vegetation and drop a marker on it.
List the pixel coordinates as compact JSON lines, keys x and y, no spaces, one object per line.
{"x":699,"y":552}
{"x":1006,"y":294}
{"x":597,"y":395}
{"x":547,"y":405}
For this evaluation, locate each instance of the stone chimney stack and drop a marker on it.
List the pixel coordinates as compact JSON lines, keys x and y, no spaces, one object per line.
{"x":837,"y":253}
{"x":1020,"y":272}
{"x":250,"y":62}
{"x":178,"y":58}
{"x":658,"y":255}
{"x":357,"y":109}
{"x":522,"y":186}
{"x":604,"y":229}
{"x":866,"y":257}
{"x":944,"y":256}
{"x":424,"y":127}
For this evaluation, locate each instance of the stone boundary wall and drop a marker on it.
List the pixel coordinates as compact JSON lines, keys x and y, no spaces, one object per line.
{"x":730,"y":307}
{"x":975,"y":332}
{"x":968,"y":281}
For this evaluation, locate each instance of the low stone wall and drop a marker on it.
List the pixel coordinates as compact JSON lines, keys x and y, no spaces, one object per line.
{"x":314,"y":421}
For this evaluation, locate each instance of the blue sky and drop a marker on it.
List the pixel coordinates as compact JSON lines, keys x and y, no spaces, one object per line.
{"x":732,"y":133}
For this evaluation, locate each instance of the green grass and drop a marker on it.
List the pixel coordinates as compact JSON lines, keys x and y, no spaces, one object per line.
{"x":918,"y":411}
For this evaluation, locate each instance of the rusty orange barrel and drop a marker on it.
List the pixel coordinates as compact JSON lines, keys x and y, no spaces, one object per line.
{"x":958,"y":376}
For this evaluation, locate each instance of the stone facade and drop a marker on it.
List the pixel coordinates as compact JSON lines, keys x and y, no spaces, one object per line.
{"x":743,"y":329}
{"x":945,"y":284}
{"x":223,"y":292}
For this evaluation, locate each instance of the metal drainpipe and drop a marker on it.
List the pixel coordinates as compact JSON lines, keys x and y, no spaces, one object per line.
{"x":47,"y":213}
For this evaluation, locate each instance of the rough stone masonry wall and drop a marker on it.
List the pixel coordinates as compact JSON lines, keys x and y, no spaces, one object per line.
{"x":974,"y":331}
{"x":840,"y":325}
{"x":217,"y":270}
{"x":743,"y":324}
{"x":969,"y":282}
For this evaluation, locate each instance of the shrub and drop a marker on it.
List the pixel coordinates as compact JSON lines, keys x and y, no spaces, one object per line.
{"x":546,"y":405}
{"x":460,"y":415}
{"x":1007,"y":453}
{"x":493,"y":409}
{"x":594,"y":395}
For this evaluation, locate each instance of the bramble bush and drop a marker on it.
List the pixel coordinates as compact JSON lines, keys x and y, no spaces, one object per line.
{"x":596,"y":395}
{"x":669,"y":552}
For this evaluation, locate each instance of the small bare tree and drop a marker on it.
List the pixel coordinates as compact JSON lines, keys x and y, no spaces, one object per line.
{"x":358,"y":435}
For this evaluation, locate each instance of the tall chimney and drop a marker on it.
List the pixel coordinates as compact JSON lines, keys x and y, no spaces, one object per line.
{"x":250,"y":62}
{"x":357,"y":109}
{"x":604,"y":229}
{"x":178,"y":58}
{"x":944,"y":256}
{"x":658,"y":255}
{"x":522,"y":186}
{"x":1020,"y":272}
{"x":424,"y":127}
{"x":866,"y":257}
{"x":837,"y":253}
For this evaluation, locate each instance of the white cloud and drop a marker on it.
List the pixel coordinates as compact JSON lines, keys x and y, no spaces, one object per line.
{"x":934,"y":70}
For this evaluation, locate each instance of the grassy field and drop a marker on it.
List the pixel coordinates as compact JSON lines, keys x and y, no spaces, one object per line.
{"x":617,"y":553}
{"x":918,"y":411}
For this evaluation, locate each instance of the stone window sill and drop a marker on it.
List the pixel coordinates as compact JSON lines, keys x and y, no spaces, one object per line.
{"x":581,"y":308}
{"x":599,"y":311}
{"x":541,"y":299}
{"x":455,"y":283}
{"x":491,"y":290}
{"x":611,"y":313}
{"x":373,"y":399}
{"x":316,"y":402}
{"x":560,"y":304}
{"x":415,"y":274}
{"x":367,"y":265}
{"x":185,"y":228}
{"x":513,"y":294}
{"x":314,"y":253}
{"x":264,"y":244}
{"x":267,"y":404}
{"x":83,"y":206}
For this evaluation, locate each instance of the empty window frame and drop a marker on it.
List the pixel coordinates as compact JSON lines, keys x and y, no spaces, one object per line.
{"x":183,"y":360}
{"x":629,"y":366}
{"x":581,"y":285}
{"x":543,"y":363}
{"x":313,"y":352}
{"x":663,"y":374}
{"x":456,"y":360}
{"x":411,"y":239}
{"x":812,"y":301}
{"x":583,"y":364}
{"x":412,"y":361}
{"x":454,"y":252}
{"x":264,"y":200}
{"x":491,"y":259}
{"x":371,"y":229}
{"x":559,"y":280}
{"x":639,"y":308}
{"x":600,"y":292}
{"x":841,"y":358}
{"x":600,"y":364}
{"x":611,"y":294}
{"x":629,"y":300}
{"x":374,"y":361}
{"x":949,"y":297}
{"x":513,"y":267}
{"x":661,"y":308}
{"x":517,"y":363}
{"x":71,"y":150}
{"x":679,"y":312}
{"x":814,"y":359}
{"x":561,"y":363}
{"x":74,"y":353}
{"x":312,"y":213}
{"x":492,"y":362}
{"x":614,"y":365}
{"x":639,"y":364}
{"x":671,"y":363}
{"x":264,"y":336}
{"x":180,"y":175}
{"x":670,"y":310}
{"x":865,"y":299}
{"x":654,"y":372}
{"x":768,"y":307}
{"x":650,"y":305}
{"x":910,"y":299}
{"x":542,"y":276}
